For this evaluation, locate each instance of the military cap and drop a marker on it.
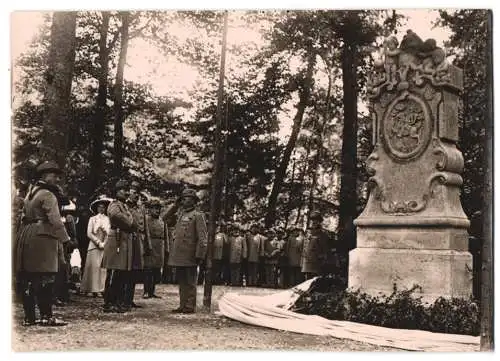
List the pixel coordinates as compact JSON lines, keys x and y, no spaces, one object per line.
{"x":135,"y":185}
{"x":154,"y":203}
{"x":316,"y":215}
{"x":188,"y":192}
{"x":48,"y":167}
{"x":121,"y":184}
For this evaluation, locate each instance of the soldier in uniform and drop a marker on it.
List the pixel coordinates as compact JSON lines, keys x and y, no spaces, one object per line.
{"x":219,"y":242}
{"x":39,"y":245}
{"x":117,"y":258}
{"x":62,"y":284}
{"x":293,"y":253}
{"x":255,"y":250}
{"x":189,"y":247}
{"x":271,"y":256}
{"x":316,"y":248}
{"x":238,"y":252}
{"x":159,"y":246}
{"x":141,"y":245}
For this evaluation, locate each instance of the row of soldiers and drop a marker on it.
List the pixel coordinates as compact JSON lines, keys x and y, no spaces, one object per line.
{"x":273,"y":257}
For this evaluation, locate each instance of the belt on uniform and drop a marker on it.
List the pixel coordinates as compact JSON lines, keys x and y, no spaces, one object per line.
{"x":30,"y":220}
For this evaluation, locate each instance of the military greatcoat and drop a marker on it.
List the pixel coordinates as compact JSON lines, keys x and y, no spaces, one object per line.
{"x":315,"y":252}
{"x":238,"y":249}
{"x":255,"y":247}
{"x":159,"y":243}
{"x":190,"y":239}
{"x":293,"y":250}
{"x":118,"y":248}
{"x":41,"y":234}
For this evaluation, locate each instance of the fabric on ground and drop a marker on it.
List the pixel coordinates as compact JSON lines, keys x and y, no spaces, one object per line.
{"x":272,"y":311}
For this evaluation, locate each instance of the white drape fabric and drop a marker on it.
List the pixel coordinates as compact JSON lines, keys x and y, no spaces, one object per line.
{"x":273,"y":311}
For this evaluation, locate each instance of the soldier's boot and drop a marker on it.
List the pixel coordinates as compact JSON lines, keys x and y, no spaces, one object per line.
{"x":147,"y":284}
{"x":29,"y":304}
{"x":152,"y":291}
{"x":109,"y":298}
{"x":190,"y":299}
{"x":45,"y":305}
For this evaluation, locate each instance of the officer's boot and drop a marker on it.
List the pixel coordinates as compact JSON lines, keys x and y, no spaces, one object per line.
{"x":28,"y":304}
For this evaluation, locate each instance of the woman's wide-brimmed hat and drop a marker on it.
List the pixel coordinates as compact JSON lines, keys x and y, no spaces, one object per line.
{"x":101,"y":200}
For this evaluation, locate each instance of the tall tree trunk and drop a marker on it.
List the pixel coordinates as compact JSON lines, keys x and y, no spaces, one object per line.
{"x":348,"y":180}
{"x":319,"y":145}
{"x":217,"y":174}
{"x":96,"y":159}
{"x":61,"y":62}
{"x":487,"y":284}
{"x":290,"y":194}
{"x":305,"y":170}
{"x":280,"y":172}
{"x":118,"y":106}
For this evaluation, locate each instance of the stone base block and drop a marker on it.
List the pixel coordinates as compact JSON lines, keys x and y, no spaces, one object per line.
{"x":436,"y":238}
{"x":446,"y":273}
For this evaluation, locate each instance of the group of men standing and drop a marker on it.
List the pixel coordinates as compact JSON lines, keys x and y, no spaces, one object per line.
{"x":142,"y":241}
{"x":273,"y":257}
{"x":139,"y":242}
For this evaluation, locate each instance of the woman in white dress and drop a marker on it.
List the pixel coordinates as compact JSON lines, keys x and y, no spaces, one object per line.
{"x":98,"y":229}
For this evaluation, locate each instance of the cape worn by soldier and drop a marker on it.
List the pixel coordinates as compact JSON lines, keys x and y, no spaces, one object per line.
{"x":39,"y":246}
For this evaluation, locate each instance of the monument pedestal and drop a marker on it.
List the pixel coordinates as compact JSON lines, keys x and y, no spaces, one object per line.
{"x":435,"y":259}
{"x":413,"y":230}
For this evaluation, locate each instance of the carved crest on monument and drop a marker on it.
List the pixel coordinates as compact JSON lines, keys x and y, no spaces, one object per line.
{"x":406,"y":127}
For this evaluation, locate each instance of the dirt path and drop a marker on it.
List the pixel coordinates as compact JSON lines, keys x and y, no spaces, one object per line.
{"x":153,"y":327}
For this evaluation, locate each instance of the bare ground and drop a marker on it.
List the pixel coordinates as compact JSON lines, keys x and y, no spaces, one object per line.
{"x":153,"y":327}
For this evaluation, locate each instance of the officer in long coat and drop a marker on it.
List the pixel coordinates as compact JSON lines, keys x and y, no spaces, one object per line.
{"x":39,"y":245}
{"x":159,"y":246}
{"x":293,"y":253}
{"x":316,"y":248}
{"x":117,"y":258}
{"x":141,"y":244}
{"x":271,"y":258}
{"x":219,"y":242}
{"x":238,"y":252}
{"x":255,"y":244}
{"x":188,"y":249}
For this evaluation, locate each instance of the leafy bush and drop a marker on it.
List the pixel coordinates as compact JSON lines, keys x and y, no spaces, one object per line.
{"x":400,"y":309}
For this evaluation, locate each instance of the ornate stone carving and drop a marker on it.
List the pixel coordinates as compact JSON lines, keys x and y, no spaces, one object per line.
{"x":450,"y":159}
{"x":406,"y":127}
{"x":414,"y":62}
{"x":395,"y":207}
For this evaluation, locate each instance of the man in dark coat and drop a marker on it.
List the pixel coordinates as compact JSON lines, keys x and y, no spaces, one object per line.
{"x":316,"y":248}
{"x":81,"y":232}
{"x":293,"y":253}
{"x":188,"y":249}
{"x":159,"y":246}
{"x":117,"y":257}
{"x":39,"y":245}
{"x":62,"y":284}
{"x":219,"y":242}
{"x":141,"y":244}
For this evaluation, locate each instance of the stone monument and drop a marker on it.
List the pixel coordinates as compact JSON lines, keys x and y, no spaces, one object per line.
{"x":413,"y":230}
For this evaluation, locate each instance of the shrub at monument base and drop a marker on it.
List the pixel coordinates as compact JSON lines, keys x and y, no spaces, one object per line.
{"x":401,"y":309}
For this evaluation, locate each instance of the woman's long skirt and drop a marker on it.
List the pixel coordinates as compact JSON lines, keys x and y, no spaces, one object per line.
{"x":94,"y":276}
